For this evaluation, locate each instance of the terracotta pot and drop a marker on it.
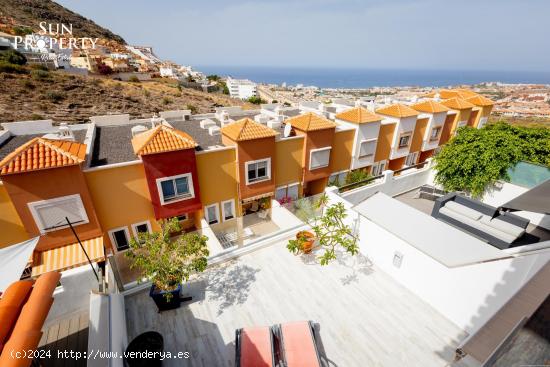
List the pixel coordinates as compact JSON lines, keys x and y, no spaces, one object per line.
{"x":307,"y":245}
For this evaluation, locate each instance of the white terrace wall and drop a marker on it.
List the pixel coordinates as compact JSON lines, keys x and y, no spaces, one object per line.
{"x":391,"y":185}
{"x":468,"y":296}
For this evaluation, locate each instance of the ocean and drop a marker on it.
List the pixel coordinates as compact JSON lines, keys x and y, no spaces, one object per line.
{"x":365,"y":78}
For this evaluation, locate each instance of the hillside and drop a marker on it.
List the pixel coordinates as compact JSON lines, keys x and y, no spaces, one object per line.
{"x":16,"y":15}
{"x":62,"y":97}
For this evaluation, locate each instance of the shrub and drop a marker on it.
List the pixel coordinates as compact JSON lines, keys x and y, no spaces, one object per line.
{"x":357,"y":175}
{"x":36,"y":116}
{"x":28,"y":84}
{"x":13,"y":57}
{"x":192,"y":108}
{"x":133,"y":79}
{"x":21,"y":31}
{"x":213,"y":77}
{"x":256,"y":100}
{"x":104,"y":69}
{"x":40,"y":74}
{"x":55,"y":96}
{"x":6,"y":67}
{"x":166,"y":100}
{"x":39,"y":67}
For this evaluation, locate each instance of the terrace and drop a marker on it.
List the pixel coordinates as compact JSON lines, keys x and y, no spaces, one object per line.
{"x":364,"y":317}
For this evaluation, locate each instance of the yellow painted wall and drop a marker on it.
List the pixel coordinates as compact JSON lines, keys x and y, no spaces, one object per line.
{"x":11,"y":227}
{"x":121,"y":197}
{"x":342,"y":146}
{"x":217,"y":177}
{"x":288,"y":161}
{"x":462,"y":115}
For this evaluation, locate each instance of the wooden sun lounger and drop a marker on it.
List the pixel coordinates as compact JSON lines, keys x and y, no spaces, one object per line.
{"x":254,"y":347}
{"x":297,"y":344}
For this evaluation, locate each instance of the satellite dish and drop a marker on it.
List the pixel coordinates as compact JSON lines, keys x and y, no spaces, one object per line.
{"x":287,"y":130}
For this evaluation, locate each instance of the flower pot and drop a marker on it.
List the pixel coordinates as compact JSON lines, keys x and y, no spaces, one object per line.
{"x":149,"y":342}
{"x":162,"y":303}
{"x":309,"y":237}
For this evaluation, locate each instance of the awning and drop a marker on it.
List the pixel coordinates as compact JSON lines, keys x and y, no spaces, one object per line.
{"x":70,"y":256}
{"x":13,"y":261}
{"x":257,"y":197}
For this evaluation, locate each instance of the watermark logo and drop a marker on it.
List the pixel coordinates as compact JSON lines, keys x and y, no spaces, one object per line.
{"x":53,"y":36}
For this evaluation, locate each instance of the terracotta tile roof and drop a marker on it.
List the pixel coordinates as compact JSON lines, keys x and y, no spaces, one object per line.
{"x":430,"y":106}
{"x":464,"y":93}
{"x":40,"y":153}
{"x":358,"y":115}
{"x":162,"y":139}
{"x":457,"y":103}
{"x":397,"y":110}
{"x":480,"y":101}
{"x":451,"y":93}
{"x":310,"y":122}
{"x":247,"y":129}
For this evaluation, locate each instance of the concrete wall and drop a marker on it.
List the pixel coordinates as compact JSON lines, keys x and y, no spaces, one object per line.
{"x":391,"y":185}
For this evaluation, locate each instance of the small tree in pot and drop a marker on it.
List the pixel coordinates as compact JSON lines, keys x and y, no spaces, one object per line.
{"x":168,"y":262}
{"x":329,"y":230}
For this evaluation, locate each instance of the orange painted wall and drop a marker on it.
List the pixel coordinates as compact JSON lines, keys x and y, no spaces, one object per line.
{"x":425,"y":155}
{"x":46,"y":184}
{"x":447,"y":129}
{"x":418,"y":135}
{"x":383,"y":147}
{"x":396,"y":164}
{"x":342,"y":147}
{"x":252,"y":150}
{"x":315,"y":140}
{"x":288,"y":161}
{"x":474,"y":118}
{"x":121,"y":197}
{"x":11,"y":228}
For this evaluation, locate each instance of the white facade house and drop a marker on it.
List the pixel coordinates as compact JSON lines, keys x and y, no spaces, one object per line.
{"x":433,"y":130}
{"x":402,"y":135}
{"x":241,"y":88}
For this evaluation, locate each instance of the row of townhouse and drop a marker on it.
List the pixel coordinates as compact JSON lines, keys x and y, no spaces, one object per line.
{"x":115,"y":177}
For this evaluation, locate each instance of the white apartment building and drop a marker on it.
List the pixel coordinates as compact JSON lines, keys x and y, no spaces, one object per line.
{"x":241,"y":88}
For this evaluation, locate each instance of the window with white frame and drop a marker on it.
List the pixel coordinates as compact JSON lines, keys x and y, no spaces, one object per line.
{"x":404,"y":140}
{"x":482,"y":122}
{"x":257,"y":171}
{"x":287,"y":191}
{"x":378,"y":168}
{"x":52,"y":214}
{"x":319,"y":158}
{"x":411,"y":159}
{"x":434,"y":134}
{"x":228,"y":209}
{"x":142,"y":227}
{"x":212,"y":213}
{"x":175,"y":188}
{"x":367,"y":148}
{"x":120,"y":238}
{"x":338,"y":178}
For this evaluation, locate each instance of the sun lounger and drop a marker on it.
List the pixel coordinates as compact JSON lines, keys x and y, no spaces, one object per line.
{"x":297,"y":344}
{"x":254,"y":347}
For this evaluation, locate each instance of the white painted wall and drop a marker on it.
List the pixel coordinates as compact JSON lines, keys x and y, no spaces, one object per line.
{"x":109,"y":120}
{"x":406,"y":124}
{"x":362,"y":132}
{"x":391,"y":185}
{"x":436,"y":120}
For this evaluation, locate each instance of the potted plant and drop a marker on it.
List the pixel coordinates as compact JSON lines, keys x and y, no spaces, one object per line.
{"x":168,"y":262}
{"x":330,"y":232}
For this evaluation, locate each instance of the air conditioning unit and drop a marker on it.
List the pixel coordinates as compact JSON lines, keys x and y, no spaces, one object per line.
{"x":274,"y":124}
{"x":138,"y":129}
{"x":214,"y":130}
{"x":205,"y":124}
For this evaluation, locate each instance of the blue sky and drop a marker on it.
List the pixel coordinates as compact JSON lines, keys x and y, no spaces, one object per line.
{"x":401,"y":34}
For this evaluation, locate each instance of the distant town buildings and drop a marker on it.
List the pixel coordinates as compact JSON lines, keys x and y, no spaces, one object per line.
{"x":241,"y":88}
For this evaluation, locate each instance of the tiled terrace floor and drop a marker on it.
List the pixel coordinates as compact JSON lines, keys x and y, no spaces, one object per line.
{"x":365,"y":318}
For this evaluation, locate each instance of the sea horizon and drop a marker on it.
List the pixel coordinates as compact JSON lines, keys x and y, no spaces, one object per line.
{"x":350,"y":78}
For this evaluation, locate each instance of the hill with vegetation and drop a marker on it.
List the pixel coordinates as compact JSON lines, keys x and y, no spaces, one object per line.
{"x":22,"y":16}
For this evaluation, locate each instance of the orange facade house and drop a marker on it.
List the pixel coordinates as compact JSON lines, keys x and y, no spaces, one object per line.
{"x":255,"y":144}
{"x":318,"y":135}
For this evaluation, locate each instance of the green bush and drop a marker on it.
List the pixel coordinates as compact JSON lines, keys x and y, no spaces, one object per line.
{"x":40,"y":74}
{"x":36,"y":116}
{"x":477,"y":158}
{"x":192,"y":108}
{"x":13,"y":57}
{"x":357,"y":175}
{"x":21,"y":31}
{"x":256,"y":100}
{"x":55,"y":96}
{"x":39,"y":67}
{"x":6,"y":67}
{"x":133,"y":79}
{"x":28,"y":84}
{"x":166,"y":100}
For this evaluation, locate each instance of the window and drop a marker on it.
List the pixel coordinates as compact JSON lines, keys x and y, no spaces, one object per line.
{"x":338,"y":178}
{"x":404,"y":140}
{"x":49,"y":215}
{"x":120,"y":238}
{"x":182,"y":218}
{"x":482,"y":122}
{"x":367,"y":148}
{"x":319,"y":158}
{"x":175,"y":188}
{"x":228,"y":210}
{"x":257,"y":171}
{"x":290,"y":191}
{"x":378,"y":168}
{"x":434,"y":134}
{"x":411,"y":159}
{"x":212,"y":214}
{"x":142,"y":227}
